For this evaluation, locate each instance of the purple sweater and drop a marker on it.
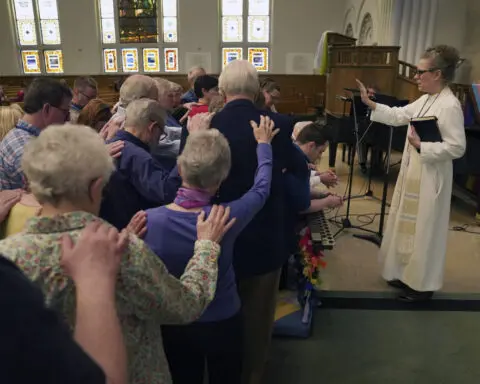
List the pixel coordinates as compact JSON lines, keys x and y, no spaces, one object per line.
{"x":172,"y":234}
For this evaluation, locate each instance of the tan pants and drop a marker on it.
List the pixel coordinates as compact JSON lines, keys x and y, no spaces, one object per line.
{"x":258,"y":295}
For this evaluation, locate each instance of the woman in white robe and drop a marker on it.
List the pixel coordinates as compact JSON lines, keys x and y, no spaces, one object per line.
{"x":413,"y":250}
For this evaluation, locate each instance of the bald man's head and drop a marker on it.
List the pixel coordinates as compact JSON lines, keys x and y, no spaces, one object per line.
{"x":138,"y":87}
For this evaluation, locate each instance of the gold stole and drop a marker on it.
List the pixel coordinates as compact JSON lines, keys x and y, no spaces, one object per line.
{"x":408,"y":209}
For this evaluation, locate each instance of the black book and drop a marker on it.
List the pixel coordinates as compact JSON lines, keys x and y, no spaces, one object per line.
{"x":427,"y":129}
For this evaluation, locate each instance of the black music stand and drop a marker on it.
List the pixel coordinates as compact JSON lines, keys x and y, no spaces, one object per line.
{"x":346,"y":223}
{"x":377,"y":237}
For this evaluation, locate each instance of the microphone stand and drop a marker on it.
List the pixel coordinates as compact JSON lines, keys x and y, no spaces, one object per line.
{"x":377,"y":237}
{"x":346,"y":223}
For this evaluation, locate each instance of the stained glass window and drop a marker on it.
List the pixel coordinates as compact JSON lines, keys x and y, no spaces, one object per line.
{"x":231,"y":54}
{"x":259,"y":7}
{"x":48,"y":13}
{"x":137,"y":21}
{"x":232,"y":30}
{"x":232,"y":7}
{"x":31,"y":61}
{"x":130,"y":59}
{"x":151,"y":60}
{"x":26,"y":32}
{"x":259,"y":58}
{"x":246,"y":22}
{"x":171,"y":59}
{"x":170,"y":29}
{"x":38,"y":30}
{"x":258,"y":29}
{"x":110,"y":60}
{"x":147,"y":22}
{"x":53,"y":61}
{"x":107,"y":13}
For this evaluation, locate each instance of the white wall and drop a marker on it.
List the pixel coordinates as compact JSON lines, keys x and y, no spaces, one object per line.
{"x":356,"y":11}
{"x":297,"y":28}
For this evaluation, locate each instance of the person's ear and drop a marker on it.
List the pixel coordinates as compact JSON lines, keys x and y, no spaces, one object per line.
{"x":179,"y":169}
{"x":46,"y":108}
{"x":96,"y":190}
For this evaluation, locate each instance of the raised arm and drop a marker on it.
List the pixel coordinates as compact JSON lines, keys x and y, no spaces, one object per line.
{"x":245,"y":208}
{"x":153,"y":293}
{"x":394,"y":116}
{"x":451,"y":124}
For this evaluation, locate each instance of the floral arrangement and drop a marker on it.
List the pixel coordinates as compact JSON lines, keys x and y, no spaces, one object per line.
{"x":311,"y":262}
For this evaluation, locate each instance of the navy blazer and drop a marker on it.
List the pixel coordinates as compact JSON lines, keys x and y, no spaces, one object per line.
{"x":261,"y":247}
{"x":138,"y":183}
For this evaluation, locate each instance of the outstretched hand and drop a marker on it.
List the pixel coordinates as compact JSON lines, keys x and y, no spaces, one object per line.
{"x":264,"y":132}
{"x":363,"y":92}
{"x":216,"y":225}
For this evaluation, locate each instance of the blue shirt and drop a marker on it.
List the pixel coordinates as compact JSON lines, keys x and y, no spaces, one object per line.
{"x":138,"y":183}
{"x":298,"y":185}
{"x":171,"y":235}
{"x":297,"y":195}
{"x":11,"y":153}
{"x":189,"y":97}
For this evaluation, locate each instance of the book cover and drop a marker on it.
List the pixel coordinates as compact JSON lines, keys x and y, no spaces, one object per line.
{"x":427,"y":129}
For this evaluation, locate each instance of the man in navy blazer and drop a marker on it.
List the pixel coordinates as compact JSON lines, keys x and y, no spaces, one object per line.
{"x":260,"y":250}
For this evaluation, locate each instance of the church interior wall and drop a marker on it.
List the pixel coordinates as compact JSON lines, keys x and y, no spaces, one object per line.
{"x":296,"y":28}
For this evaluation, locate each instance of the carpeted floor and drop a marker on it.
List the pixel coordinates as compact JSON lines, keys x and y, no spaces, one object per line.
{"x":377,"y":347}
{"x":353,"y":264}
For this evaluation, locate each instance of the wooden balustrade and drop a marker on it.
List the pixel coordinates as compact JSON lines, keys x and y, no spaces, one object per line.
{"x":374,"y":65}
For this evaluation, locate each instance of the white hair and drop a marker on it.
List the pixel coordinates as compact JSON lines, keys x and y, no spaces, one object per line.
{"x":63,"y":161}
{"x":298,"y":128}
{"x":195,"y":72}
{"x":239,"y":77}
{"x":140,"y":113}
{"x":137,"y":87}
{"x":206,"y":159}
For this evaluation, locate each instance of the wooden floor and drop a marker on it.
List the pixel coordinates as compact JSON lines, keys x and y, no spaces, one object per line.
{"x":353,"y":264}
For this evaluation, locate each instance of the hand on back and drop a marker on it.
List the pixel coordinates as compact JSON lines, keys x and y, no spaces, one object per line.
{"x":265,"y":131}
{"x":216,"y":225}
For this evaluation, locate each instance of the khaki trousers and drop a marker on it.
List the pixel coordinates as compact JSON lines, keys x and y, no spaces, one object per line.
{"x":258,"y":295}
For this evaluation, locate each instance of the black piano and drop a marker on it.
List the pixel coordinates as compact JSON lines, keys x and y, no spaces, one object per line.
{"x":373,"y":135}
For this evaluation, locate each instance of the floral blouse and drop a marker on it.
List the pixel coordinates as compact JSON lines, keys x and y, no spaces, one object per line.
{"x":147,"y":295}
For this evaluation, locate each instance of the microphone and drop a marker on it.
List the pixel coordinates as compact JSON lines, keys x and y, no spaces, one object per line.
{"x":343,"y":98}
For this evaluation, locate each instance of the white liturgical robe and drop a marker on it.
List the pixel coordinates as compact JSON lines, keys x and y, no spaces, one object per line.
{"x":414,"y":245}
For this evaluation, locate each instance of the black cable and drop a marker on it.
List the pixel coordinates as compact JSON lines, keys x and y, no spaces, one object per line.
{"x":465,"y":228}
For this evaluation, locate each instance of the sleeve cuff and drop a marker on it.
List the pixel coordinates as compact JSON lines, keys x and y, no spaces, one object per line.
{"x":207,"y":249}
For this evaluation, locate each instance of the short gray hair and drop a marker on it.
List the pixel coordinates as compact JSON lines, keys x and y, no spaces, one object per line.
{"x":62,"y":162}
{"x":239,"y":77}
{"x":195,"y":72}
{"x":206,"y":159}
{"x":140,"y":113}
{"x":137,"y":87}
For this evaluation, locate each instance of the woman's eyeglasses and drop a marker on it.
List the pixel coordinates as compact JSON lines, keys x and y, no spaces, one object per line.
{"x":420,"y":72}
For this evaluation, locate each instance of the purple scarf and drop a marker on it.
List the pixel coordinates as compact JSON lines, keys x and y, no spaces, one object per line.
{"x":192,"y":198}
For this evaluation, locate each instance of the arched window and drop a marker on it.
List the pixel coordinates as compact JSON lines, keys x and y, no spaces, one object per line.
{"x":349,"y":30}
{"x":38,"y":36}
{"x":132,"y":31}
{"x":246,"y":32}
{"x":366,"y":31}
